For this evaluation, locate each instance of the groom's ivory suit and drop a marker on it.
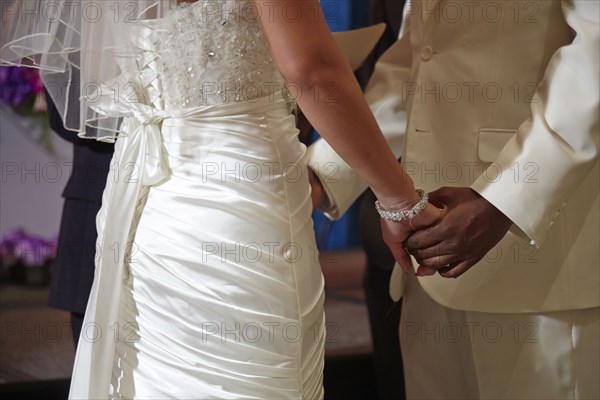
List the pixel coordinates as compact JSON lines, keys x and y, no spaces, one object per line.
{"x":503,"y":97}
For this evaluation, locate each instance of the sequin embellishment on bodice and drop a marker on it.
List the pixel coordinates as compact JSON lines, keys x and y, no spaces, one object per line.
{"x":207,"y":53}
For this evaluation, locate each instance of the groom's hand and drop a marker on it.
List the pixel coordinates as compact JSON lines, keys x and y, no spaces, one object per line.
{"x":469,"y":228}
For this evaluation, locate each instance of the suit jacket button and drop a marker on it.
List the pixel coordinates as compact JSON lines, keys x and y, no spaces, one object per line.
{"x":426,"y":53}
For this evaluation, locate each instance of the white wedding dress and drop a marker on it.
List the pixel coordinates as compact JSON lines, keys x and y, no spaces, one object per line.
{"x":207,"y":281}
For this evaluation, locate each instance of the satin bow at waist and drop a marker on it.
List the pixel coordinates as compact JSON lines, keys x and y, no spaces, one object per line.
{"x":142,"y":131}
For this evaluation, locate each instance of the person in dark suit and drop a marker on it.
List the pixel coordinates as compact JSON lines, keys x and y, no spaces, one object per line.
{"x":384,"y":314}
{"x":73,"y":268}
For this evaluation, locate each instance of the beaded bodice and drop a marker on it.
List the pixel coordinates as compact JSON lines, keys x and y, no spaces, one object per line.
{"x":205,"y":53}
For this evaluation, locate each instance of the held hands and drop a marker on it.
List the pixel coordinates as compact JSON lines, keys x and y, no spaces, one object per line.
{"x":454,"y":232}
{"x":395,"y":233}
{"x":468,"y":228}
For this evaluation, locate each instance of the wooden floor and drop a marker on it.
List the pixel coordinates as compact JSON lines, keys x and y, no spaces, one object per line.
{"x":36,"y":350}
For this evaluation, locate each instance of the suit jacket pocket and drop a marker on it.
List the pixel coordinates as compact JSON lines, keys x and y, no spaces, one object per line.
{"x":492,"y":141}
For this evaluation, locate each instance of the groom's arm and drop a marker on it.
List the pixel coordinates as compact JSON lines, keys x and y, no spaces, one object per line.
{"x":560,"y":139}
{"x":341,"y":185}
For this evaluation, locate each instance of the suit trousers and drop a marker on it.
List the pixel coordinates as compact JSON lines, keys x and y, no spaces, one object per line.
{"x":452,"y":354}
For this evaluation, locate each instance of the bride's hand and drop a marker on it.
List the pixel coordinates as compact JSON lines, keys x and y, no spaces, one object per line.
{"x":316,"y":193}
{"x":395,"y":233}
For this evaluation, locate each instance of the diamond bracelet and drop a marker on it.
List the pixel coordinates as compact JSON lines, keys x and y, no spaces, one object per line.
{"x":406,"y":214}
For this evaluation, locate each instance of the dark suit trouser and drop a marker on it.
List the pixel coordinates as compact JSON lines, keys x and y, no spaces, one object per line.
{"x":384,"y":314}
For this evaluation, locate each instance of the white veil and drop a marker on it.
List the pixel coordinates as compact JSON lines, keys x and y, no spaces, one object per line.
{"x":77,"y":45}
{"x":83,"y":51}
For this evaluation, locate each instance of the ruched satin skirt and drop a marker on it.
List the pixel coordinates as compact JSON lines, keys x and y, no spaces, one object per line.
{"x":222,"y":294}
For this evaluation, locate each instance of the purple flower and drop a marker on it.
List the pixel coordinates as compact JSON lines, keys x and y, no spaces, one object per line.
{"x":10,"y":240}
{"x":50,"y":249}
{"x":19,"y":84}
{"x":30,"y":250}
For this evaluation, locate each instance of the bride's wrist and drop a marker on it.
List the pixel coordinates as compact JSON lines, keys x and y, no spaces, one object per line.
{"x":400,"y":204}
{"x":415,"y":214}
{"x":405,"y":209}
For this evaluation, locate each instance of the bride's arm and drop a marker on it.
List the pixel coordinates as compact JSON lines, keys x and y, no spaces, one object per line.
{"x":307,"y":56}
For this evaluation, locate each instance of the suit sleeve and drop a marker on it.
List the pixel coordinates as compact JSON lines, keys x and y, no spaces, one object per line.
{"x":560,"y":140}
{"x":56,"y":122}
{"x":384,"y":95}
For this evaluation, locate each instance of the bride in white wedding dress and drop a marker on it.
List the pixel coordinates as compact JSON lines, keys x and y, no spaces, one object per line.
{"x":207,"y":281}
